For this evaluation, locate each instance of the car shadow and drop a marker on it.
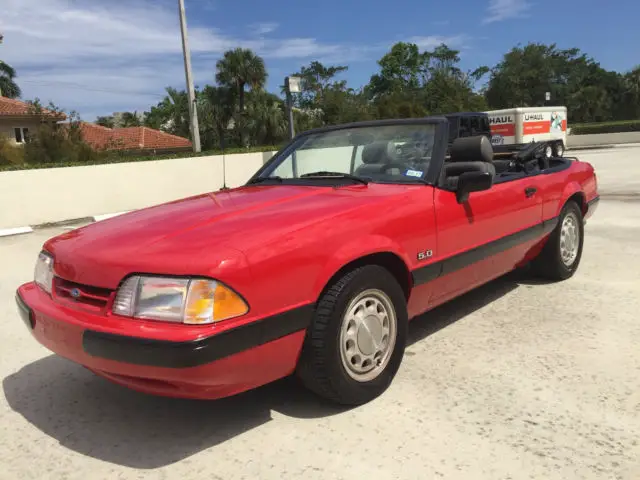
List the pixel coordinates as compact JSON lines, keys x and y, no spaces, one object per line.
{"x":94,"y":417}
{"x":441,"y":317}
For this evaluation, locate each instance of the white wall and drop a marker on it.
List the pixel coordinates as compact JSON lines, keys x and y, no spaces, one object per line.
{"x":601,"y":139}
{"x":33,"y":197}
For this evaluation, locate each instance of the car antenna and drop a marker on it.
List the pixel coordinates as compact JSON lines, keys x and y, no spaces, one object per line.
{"x":224,"y":165}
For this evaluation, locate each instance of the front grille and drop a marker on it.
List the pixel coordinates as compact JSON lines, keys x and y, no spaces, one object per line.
{"x":92,"y":298}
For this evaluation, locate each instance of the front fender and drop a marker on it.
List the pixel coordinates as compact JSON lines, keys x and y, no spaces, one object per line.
{"x":355,"y":250}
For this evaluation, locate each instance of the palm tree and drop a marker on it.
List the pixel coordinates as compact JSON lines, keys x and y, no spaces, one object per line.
{"x":8,"y":87}
{"x":265,"y":118}
{"x":215,"y":111}
{"x":240,"y":68}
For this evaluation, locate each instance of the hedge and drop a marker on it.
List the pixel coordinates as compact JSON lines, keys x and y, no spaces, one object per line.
{"x":119,"y":158}
{"x":605,"y":127}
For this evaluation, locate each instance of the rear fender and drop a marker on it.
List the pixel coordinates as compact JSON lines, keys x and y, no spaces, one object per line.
{"x":572,"y":191}
{"x":356,"y":250}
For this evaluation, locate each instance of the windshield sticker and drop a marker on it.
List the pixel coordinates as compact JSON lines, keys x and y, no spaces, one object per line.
{"x":414,"y":173}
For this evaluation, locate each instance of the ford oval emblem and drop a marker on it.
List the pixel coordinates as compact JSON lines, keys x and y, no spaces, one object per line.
{"x":75,"y":293}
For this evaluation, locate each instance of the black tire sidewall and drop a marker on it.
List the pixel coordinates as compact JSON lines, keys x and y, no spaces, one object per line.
{"x":366,"y":278}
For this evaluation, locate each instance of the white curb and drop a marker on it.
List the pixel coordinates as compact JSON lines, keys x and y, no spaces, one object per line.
{"x":97,"y":218}
{"x":6,"y":232}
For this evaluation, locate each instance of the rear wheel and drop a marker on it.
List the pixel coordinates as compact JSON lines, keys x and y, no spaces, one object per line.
{"x":558,"y":149}
{"x":560,"y":257}
{"x":548,"y":151}
{"x":356,"y":341}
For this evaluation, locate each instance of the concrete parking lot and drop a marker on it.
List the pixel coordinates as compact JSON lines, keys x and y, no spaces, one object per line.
{"x":516,"y":380}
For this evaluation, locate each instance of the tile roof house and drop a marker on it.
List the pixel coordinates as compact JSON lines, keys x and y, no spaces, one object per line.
{"x":133,"y":139}
{"x":17,"y":118}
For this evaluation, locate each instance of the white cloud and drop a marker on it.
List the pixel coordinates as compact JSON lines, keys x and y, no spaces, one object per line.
{"x":500,"y":10}
{"x":96,"y":59}
{"x":431,"y":41}
{"x":264,"y":28}
{"x":93,"y":58}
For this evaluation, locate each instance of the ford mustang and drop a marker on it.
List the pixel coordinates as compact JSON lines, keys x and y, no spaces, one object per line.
{"x":313,"y":268}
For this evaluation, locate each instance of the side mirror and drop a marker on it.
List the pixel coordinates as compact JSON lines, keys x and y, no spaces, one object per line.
{"x":472,"y":182}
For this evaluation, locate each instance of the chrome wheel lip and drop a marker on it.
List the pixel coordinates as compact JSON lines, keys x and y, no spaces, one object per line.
{"x":569,"y":239}
{"x":364,"y":353}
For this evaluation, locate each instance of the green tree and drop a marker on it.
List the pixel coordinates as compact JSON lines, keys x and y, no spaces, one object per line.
{"x":266,"y":123}
{"x":316,"y":79}
{"x":325,"y":100}
{"x":215,"y":112}
{"x":526,"y":73}
{"x":106,"y":121}
{"x":8,"y":86}
{"x":412,"y":83}
{"x":241,"y":68}
{"x":129,"y":119}
{"x":402,"y":70}
{"x":57,"y":142}
{"x":171,"y":114}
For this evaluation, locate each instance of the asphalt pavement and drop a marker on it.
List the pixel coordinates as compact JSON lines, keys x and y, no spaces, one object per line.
{"x":516,"y":380}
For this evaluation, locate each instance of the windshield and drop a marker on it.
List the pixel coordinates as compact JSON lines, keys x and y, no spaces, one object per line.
{"x":398,"y":153}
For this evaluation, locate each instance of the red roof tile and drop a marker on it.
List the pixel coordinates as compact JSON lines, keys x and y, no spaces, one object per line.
{"x":131,"y":138}
{"x":11,"y":107}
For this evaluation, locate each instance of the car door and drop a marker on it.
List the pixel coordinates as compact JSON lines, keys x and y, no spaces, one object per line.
{"x":485,"y":236}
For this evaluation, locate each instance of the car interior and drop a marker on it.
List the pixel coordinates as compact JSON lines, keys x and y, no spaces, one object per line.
{"x":387,"y":157}
{"x":475,"y":154}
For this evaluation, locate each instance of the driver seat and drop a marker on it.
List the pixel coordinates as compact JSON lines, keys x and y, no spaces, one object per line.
{"x":468,"y":154}
{"x":375,"y":156}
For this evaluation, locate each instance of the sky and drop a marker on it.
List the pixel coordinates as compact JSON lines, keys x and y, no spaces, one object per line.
{"x":102,"y":56}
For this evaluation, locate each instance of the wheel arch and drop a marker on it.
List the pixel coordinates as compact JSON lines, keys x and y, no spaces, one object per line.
{"x":386,"y":259}
{"x":573,"y":192}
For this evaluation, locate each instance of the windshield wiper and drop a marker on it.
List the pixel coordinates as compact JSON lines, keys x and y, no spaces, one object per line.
{"x":324,"y":174}
{"x":264,"y":179}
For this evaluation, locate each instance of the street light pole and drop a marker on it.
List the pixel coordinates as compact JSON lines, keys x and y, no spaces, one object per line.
{"x":292,"y":85}
{"x":193,"y":111}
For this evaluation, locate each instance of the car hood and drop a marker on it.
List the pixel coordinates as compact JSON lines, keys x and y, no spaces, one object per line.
{"x":212,"y":230}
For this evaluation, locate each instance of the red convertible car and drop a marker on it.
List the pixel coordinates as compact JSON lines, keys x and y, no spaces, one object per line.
{"x":312,"y":268}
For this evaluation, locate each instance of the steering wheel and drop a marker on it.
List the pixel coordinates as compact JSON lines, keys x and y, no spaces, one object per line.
{"x":389,"y":166}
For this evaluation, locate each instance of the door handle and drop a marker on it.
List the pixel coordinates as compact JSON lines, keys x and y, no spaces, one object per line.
{"x":530,"y":191}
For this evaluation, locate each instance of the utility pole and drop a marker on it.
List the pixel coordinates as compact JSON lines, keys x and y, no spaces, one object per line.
{"x":193,"y":111}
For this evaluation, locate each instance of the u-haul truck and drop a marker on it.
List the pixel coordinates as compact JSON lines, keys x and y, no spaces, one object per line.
{"x":512,"y":128}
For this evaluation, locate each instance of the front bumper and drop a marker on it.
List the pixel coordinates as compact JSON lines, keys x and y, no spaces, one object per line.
{"x":210,"y":366}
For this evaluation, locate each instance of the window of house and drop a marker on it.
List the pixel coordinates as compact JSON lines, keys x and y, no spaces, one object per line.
{"x":22,"y":134}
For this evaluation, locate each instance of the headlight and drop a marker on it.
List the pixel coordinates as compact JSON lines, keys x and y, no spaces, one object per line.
{"x":193,"y":301}
{"x":43,"y":274}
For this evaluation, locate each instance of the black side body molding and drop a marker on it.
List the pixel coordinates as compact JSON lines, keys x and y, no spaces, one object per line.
{"x":163,"y":353}
{"x":462,"y":260}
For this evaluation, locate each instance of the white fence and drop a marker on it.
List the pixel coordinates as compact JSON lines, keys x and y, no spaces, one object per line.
{"x":33,"y":197}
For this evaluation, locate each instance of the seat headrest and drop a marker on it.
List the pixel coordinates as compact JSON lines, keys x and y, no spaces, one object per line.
{"x":472,"y":149}
{"x":379,"y":152}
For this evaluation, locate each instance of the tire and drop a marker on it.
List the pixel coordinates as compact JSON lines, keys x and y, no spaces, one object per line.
{"x":326,"y":366}
{"x":548,"y":151}
{"x":554,"y":261}
{"x":558,"y":149}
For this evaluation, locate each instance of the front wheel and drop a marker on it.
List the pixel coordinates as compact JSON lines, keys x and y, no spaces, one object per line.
{"x":560,"y":257}
{"x":355,"y":344}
